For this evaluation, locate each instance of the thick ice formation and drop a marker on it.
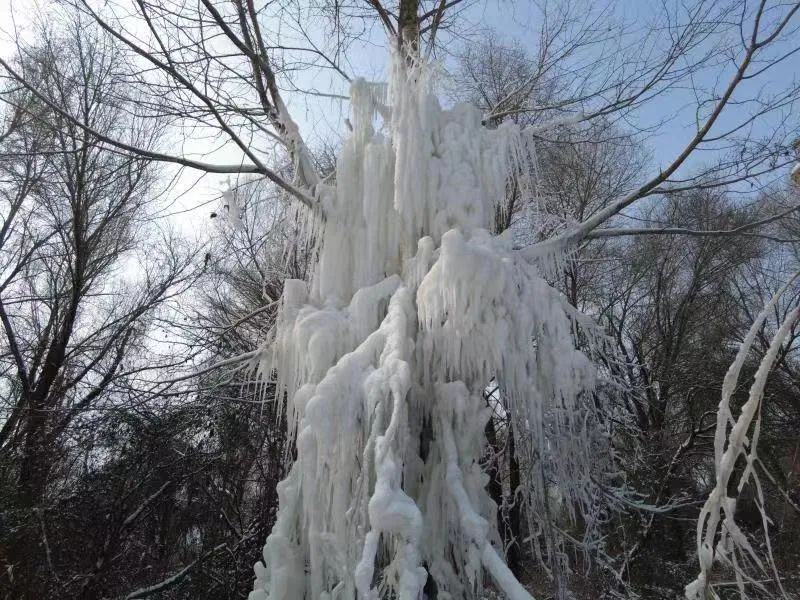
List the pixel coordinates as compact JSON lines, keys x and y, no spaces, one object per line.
{"x":383,"y":359}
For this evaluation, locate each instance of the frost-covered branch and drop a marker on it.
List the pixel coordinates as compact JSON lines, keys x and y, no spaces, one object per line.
{"x":718,"y":535}
{"x":740,"y":230}
{"x":175,"y":579}
{"x":234,"y":360}
{"x":129,"y":520}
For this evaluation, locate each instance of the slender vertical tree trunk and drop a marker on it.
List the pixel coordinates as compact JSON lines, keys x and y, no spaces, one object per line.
{"x":515,"y":513}
{"x":25,"y":551}
{"x":495,"y":487}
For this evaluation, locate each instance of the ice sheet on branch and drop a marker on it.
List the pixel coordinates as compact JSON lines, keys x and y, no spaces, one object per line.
{"x":384,"y":357}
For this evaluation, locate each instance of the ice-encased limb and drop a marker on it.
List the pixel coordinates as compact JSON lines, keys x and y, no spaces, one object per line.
{"x":391,"y":511}
{"x":717,"y":517}
{"x":454,"y":399}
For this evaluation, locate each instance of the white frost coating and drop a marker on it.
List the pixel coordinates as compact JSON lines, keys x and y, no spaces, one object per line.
{"x":384,"y":357}
{"x":717,"y":517}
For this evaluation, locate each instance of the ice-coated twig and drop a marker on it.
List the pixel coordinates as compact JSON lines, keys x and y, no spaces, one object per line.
{"x":717,"y":516}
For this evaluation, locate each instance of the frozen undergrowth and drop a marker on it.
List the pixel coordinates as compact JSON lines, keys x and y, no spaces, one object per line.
{"x":414,"y":307}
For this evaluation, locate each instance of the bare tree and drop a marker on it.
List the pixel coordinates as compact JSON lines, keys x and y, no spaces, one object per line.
{"x":219,"y":68}
{"x":80,"y":280}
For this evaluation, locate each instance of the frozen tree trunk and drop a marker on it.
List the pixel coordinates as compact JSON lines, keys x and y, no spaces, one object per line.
{"x":414,"y":307}
{"x":408,"y":21}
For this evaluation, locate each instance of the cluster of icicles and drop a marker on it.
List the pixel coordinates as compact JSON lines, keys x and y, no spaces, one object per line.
{"x":384,"y":358}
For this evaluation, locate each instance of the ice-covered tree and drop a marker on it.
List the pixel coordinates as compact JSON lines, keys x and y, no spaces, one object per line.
{"x":384,"y":358}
